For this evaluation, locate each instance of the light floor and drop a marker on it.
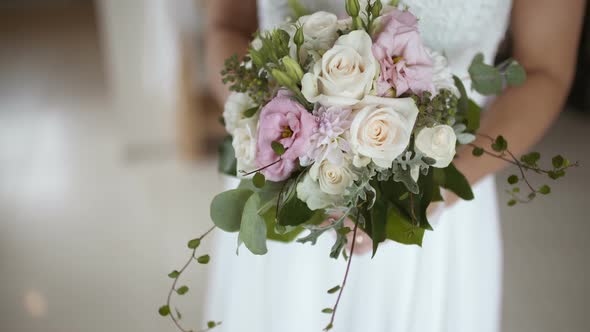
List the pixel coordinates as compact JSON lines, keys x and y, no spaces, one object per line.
{"x":87,"y":236}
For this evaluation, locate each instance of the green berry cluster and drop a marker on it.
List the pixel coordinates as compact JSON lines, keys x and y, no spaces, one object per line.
{"x":440,"y":109}
{"x":245,"y":79}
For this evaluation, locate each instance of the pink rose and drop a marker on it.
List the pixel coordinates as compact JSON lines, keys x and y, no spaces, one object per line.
{"x":287,"y":122}
{"x":405,"y":64}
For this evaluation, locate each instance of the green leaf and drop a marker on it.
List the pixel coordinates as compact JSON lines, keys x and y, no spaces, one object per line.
{"x":292,"y":211}
{"x":178,"y":314}
{"x":253,"y":228}
{"x":297,"y":9}
{"x":251,"y":112}
{"x":194,"y":243}
{"x":290,"y":233}
{"x":327,"y":310}
{"x":278,"y":148}
{"x":454,"y":181}
{"x":164,"y":311}
{"x":485,"y":79}
{"x":401,"y":230}
{"x":463,"y":102}
{"x":211,"y":324}
{"x":334,"y":289}
{"x":203,"y":259}
{"x":558,"y":161}
{"x":227,"y":157}
{"x":556,"y":174}
{"x":227,"y":207}
{"x":531,"y":159}
{"x":473,"y":116}
{"x":182,"y":290}
{"x":512,"y":179}
{"x":545,"y":190}
{"x":258,"y":180}
{"x":512,"y":202}
{"x":376,"y":221}
{"x":174,"y":274}
{"x":477,"y":151}
{"x":500,"y":144}
{"x":515,"y":74}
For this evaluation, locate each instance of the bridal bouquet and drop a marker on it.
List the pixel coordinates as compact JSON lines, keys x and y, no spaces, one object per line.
{"x":351,"y":125}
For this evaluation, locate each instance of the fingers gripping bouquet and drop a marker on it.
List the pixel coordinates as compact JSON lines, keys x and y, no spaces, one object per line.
{"x":337,"y":120}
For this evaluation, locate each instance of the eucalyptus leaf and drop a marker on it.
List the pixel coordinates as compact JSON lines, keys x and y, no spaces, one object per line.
{"x":253,"y":227}
{"x":227,"y":207}
{"x":227,"y":157}
{"x":485,"y":79}
{"x":515,"y":74}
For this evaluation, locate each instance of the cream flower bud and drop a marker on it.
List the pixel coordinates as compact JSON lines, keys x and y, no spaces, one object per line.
{"x":437,"y":143}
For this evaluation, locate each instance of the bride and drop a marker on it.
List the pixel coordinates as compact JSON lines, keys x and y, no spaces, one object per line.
{"x":453,"y":283}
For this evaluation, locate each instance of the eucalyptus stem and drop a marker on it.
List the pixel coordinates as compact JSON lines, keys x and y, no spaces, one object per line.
{"x":331,"y":324}
{"x":261,"y":168}
{"x":173,"y":289}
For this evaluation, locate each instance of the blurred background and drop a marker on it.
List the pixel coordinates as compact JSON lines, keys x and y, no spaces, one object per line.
{"x":107,"y":168}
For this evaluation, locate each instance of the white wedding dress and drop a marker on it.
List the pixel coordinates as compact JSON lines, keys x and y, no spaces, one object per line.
{"x":452,"y":283}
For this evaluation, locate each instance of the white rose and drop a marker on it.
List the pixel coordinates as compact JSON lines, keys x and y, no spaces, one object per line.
{"x":381,"y":130}
{"x":345,"y":74}
{"x":333,"y":179}
{"x":308,"y":191}
{"x":233,"y":111}
{"x":437,"y":143}
{"x":244,"y":143}
{"x":442,"y":78}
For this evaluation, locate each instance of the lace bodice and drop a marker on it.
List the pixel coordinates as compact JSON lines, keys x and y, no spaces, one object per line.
{"x":457,"y":28}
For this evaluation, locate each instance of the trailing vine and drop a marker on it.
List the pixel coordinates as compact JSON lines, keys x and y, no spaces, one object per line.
{"x":528,"y":162}
{"x":176,"y":316}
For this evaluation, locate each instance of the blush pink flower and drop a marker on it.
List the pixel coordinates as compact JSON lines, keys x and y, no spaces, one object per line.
{"x":405,"y":64}
{"x":287,"y":122}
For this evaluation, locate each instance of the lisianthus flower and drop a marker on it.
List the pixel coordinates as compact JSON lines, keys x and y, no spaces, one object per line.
{"x":285,"y":121}
{"x":405,"y":64}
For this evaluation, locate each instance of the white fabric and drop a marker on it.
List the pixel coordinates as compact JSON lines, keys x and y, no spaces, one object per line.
{"x":452,"y":283}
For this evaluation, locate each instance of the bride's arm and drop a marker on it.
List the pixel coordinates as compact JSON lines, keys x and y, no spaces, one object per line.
{"x":546,"y":35}
{"x":230,"y":25}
